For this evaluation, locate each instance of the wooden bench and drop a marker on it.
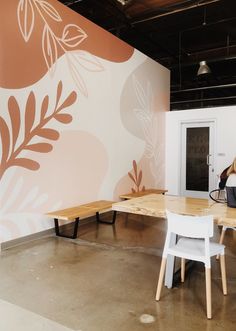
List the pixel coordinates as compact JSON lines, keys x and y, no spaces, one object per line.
{"x":80,"y":212}
{"x":142,"y":193}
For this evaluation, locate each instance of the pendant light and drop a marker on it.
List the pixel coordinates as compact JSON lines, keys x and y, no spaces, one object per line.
{"x":203,"y":69}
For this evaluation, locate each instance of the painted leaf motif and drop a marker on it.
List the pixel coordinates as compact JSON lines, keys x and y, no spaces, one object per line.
{"x":49,"y":48}
{"x":131,"y":176}
{"x":135,"y":168}
{"x":140,"y":93}
{"x":148,"y":135}
{"x":25,"y":17}
{"x":73,"y":35}
{"x":40,"y":147}
{"x":149,"y":151}
{"x":87,"y":61}
{"x":59,"y":91}
{"x":48,"y":134}
{"x":63,"y":118}
{"x":29,"y":113}
{"x":142,"y":116}
{"x":73,"y":67}
{"x":50,"y":10}
{"x":44,"y":107}
{"x":29,"y":198}
{"x":139,"y":178}
{"x":14,"y":112}
{"x":68,"y":101}
{"x":27,"y":163}
{"x":5,"y":138}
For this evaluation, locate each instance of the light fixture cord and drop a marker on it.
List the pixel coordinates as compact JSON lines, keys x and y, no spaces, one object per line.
{"x":180,"y":73}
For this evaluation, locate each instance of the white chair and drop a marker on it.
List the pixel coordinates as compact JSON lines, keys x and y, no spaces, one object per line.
{"x":222,"y":236}
{"x":194,"y":244}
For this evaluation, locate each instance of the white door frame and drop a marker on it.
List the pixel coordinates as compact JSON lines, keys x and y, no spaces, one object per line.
{"x":197,"y":123}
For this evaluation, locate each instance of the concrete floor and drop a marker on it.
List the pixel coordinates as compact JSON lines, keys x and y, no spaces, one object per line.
{"x":106,"y":281}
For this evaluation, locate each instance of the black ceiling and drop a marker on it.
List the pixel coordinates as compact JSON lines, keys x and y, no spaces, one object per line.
{"x":177,"y":34}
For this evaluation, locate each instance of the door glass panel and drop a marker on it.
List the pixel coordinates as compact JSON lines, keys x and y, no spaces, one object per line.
{"x":197,"y":150}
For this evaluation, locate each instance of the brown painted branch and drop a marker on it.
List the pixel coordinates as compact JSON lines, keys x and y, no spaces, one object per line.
{"x":11,"y":160}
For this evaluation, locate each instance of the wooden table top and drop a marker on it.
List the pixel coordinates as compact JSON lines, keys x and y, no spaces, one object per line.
{"x":132,"y":195}
{"x":156,"y":205}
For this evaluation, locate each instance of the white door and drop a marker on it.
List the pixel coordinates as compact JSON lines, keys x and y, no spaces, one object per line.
{"x":197,"y":159}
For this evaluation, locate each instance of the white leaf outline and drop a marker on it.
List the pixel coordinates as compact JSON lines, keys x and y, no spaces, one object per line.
{"x":31,"y":196}
{"x":140,"y":94}
{"x":76,"y":75}
{"x":49,"y":49}
{"x":22,"y":8}
{"x":87,"y":61}
{"x":15,"y":192}
{"x":5,"y":183}
{"x":69,"y":42}
{"x":50,"y":41}
{"x":149,"y":124}
{"x":40,"y":200}
{"x":50,"y":10}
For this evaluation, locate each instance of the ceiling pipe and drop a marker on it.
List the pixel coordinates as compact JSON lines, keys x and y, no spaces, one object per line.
{"x":197,"y":27}
{"x":188,"y":64}
{"x":71,"y":3}
{"x":199,"y":100}
{"x":204,"y":88}
{"x":217,"y":49}
{"x":173,"y":12}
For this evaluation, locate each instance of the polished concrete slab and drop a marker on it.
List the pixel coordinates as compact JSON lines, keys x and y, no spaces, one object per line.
{"x":106,"y":280}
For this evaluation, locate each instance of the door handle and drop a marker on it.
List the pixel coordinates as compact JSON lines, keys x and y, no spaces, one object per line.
{"x":208,"y":159}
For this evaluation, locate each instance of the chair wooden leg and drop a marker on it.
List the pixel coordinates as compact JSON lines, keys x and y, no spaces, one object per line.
{"x":182,"y":270}
{"x":223,"y":274}
{"x":208,"y":292}
{"x":222,"y":236}
{"x":161,"y":278}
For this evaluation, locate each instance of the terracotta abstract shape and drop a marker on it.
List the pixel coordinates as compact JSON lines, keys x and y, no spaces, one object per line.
{"x":40,"y":32}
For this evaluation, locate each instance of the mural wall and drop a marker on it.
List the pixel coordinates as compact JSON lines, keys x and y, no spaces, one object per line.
{"x":82,"y":115}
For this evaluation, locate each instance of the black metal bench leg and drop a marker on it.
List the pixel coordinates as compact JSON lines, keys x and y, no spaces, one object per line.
{"x":59,"y":234}
{"x":105,"y":222}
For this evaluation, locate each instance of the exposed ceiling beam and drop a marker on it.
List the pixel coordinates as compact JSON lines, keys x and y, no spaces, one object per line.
{"x":154,"y":17}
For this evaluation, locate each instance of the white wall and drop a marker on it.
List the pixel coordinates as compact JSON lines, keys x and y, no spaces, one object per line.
{"x":225,"y":140}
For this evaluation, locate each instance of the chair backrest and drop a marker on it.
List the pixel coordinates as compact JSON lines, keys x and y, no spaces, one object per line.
{"x":190,"y":226}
